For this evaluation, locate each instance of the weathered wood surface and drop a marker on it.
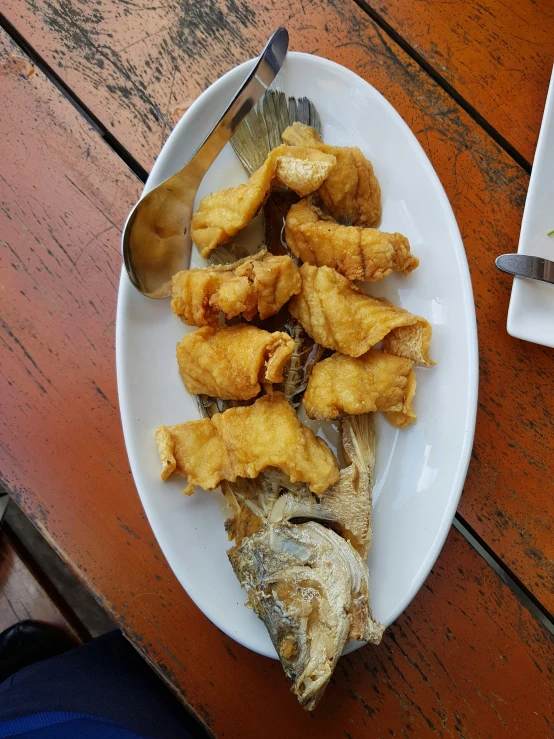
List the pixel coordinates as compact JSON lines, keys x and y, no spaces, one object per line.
{"x":22,"y":596}
{"x":140,"y":65}
{"x":498,"y":55}
{"x":466,"y":659}
{"x":126,"y":62}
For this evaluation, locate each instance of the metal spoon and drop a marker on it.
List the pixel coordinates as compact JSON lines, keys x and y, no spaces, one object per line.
{"x":522,"y":265}
{"x":156,"y":237}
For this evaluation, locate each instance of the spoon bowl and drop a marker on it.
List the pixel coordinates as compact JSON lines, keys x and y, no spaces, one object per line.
{"x":156,"y":237}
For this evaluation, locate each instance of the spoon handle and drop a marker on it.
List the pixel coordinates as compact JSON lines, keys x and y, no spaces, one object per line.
{"x":260,"y":78}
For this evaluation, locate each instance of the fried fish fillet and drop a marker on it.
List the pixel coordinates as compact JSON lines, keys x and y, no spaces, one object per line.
{"x":310,"y":588}
{"x":357,"y":253}
{"x":376,"y":381}
{"x":339,"y":316}
{"x":242,"y":442}
{"x":223,"y":214}
{"x":299,"y":134}
{"x":351,"y":190}
{"x":229,"y":362}
{"x":261,"y":284}
{"x":345,"y":506}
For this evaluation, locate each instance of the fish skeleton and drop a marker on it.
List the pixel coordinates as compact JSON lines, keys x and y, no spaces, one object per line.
{"x":346,"y":506}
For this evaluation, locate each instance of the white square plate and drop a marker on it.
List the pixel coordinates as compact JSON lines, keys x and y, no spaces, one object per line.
{"x":531,"y":312}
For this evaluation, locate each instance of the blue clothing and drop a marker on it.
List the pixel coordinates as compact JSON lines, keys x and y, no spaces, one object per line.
{"x":64,"y":725}
{"x":101,"y":690}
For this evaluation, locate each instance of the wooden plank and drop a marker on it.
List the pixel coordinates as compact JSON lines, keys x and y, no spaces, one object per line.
{"x":140,"y":66}
{"x":498,"y":55}
{"x":508,"y":498}
{"x":466,"y":659}
{"x":22,"y":596}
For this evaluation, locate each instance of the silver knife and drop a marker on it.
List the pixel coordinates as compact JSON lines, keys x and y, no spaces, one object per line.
{"x":522,"y":265}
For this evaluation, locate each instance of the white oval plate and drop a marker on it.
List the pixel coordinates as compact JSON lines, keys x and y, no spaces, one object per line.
{"x":420,"y":471}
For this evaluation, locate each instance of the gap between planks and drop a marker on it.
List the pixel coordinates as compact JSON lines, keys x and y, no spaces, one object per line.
{"x":446,"y":86}
{"x":142,"y":174}
{"x":41,"y":64}
{"x":522,"y":593}
{"x":531,"y":603}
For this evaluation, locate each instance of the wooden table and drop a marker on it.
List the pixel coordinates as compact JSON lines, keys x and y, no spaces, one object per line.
{"x":89,"y":92}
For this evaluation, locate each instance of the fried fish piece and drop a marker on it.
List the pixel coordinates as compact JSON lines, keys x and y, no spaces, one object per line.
{"x":260,"y":284}
{"x":299,"y":134}
{"x":310,"y":588}
{"x":243,"y":441}
{"x":339,"y":316}
{"x":357,"y":253}
{"x":351,"y":190}
{"x":229,"y":362}
{"x":346,"y":506}
{"x":221,"y":215}
{"x":376,"y":381}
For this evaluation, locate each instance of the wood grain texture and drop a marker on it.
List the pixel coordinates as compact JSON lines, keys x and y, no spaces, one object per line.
{"x":508,"y":497}
{"x":498,"y":55}
{"x":22,"y":596}
{"x":466,"y":659}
